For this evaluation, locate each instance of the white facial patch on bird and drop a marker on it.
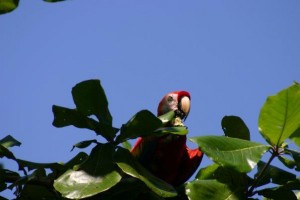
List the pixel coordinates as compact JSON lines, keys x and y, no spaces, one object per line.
{"x":171,"y":103}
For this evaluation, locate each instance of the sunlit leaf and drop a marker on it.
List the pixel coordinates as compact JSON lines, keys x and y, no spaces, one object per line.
{"x":8,"y":5}
{"x":241,"y":155}
{"x":132,"y":167}
{"x":169,"y":116}
{"x":234,"y":126}
{"x":9,"y":141}
{"x":275,"y":174}
{"x":95,"y":175}
{"x":142,"y":124}
{"x":207,"y":172}
{"x":280,"y":115}
{"x":126,"y":145}
{"x":212,"y":189}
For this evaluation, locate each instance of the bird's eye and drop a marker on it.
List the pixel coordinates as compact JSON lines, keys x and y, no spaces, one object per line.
{"x":170,"y":98}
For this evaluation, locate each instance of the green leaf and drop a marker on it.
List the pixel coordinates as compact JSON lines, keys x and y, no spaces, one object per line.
{"x":287,"y":162}
{"x":9,"y":141}
{"x":280,"y":115}
{"x":275,"y":174}
{"x":126,"y":145}
{"x":4,"y":152}
{"x":234,"y":126}
{"x":177,"y":130}
{"x":8,"y":5}
{"x":212,"y":189}
{"x":66,"y":117}
{"x":207,"y":172}
{"x":166,"y":118}
{"x":83,"y":144}
{"x":34,"y":165}
{"x":278,"y":193}
{"x":240,"y":155}
{"x":132,"y":167}
{"x":295,"y":137}
{"x":95,"y":175}
{"x":90,"y":99}
{"x":31,"y":191}
{"x":296,"y":156}
{"x":142,"y":124}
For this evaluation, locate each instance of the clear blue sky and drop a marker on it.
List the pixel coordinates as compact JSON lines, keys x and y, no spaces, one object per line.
{"x":230,"y":55}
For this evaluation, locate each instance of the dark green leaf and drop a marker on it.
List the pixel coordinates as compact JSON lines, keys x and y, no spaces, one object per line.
{"x":177,"y":130}
{"x":8,"y":5}
{"x":76,"y":160}
{"x":95,"y":175}
{"x":278,"y":193}
{"x":296,"y":156}
{"x":31,"y":191}
{"x":280,"y":115}
{"x":295,"y":137}
{"x":166,"y":118}
{"x":142,"y":124}
{"x":4,"y":152}
{"x":234,"y":126}
{"x":287,"y":162}
{"x":84,"y":144}
{"x":9,"y":141}
{"x":33,"y":165}
{"x":275,"y":174}
{"x":132,"y":167}
{"x":90,"y":99}
{"x":238,"y":154}
{"x":212,"y":189}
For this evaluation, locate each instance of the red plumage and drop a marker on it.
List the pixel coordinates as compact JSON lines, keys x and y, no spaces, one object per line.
{"x":167,"y":156}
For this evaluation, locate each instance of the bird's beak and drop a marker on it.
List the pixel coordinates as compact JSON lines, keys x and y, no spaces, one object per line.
{"x":185,"y":105}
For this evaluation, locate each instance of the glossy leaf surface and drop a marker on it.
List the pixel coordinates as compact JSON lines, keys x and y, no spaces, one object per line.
{"x":238,"y":154}
{"x":95,"y":175}
{"x":279,"y":116}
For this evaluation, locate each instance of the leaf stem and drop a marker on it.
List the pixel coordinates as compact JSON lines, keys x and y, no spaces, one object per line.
{"x":275,"y":153}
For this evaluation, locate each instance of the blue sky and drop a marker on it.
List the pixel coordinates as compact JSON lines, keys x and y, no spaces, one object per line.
{"x":230,"y":55}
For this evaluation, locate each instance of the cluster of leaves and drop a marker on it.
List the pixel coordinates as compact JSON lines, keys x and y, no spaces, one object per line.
{"x":111,"y":172}
{"x":7,"y":6}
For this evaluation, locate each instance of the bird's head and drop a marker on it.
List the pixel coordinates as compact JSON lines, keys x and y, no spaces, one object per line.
{"x":179,"y":102}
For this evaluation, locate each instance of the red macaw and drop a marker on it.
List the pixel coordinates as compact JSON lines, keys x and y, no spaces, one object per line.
{"x":167,"y":156}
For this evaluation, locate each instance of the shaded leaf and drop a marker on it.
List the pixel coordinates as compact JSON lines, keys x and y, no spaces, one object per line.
{"x":90,"y":99}
{"x":177,"y":130}
{"x":4,"y":152}
{"x":280,"y":115}
{"x":9,"y":141}
{"x":238,"y":154}
{"x":275,"y":174}
{"x":287,"y":162}
{"x":234,"y":126}
{"x":212,"y":189}
{"x":31,"y":191}
{"x":132,"y":167}
{"x":207,"y":172}
{"x":278,"y":193}
{"x":34,"y":165}
{"x":142,"y":124}
{"x":95,"y":175}
{"x":8,"y":5}
{"x":296,"y":156}
{"x":83,"y":144}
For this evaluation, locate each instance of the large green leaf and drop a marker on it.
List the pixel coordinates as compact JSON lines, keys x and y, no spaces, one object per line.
{"x":132,"y":167}
{"x":212,"y":189}
{"x":8,"y":5}
{"x":166,"y":118}
{"x":95,"y":175}
{"x":9,"y":141}
{"x":241,"y":155}
{"x":234,"y":126}
{"x":280,"y":115}
{"x":278,"y":193}
{"x":142,"y":124}
{"x":90,"y":99}
{"x":83,"y":144}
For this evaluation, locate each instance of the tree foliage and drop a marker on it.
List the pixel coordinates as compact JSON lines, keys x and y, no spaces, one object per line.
{"x":109,"y":171}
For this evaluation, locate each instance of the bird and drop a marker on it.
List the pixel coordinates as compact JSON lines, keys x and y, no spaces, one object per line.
{"x":167,"y":156}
